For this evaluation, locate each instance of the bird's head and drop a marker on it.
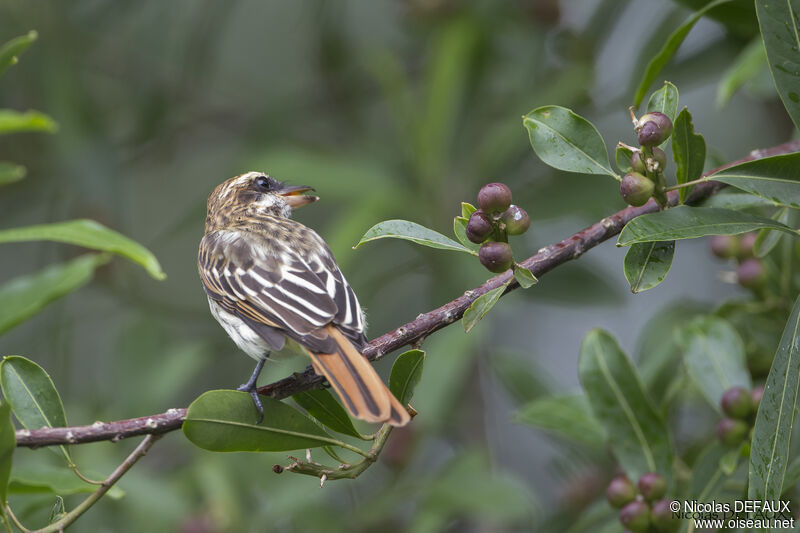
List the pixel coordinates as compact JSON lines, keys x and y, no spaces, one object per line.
{"x":255,"y":195}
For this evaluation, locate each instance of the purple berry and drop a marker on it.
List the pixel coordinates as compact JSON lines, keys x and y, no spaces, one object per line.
{"x":496,"y":256}
{"x":635,"y":516}
{"x":724,"y":246}
{"x":636,"y":189}
{"x":637,"y":162}
{"x":663,"y":519}
{"x":654,"y":128}
{"x":620,"y":492}
{"x":746,"y":244}
{"x":751,"y":273}
{"x":756,"y":395}
{"x":516,"y":220}
{"x":494,"y":198}
{"x":737,"y":403}
{"x":652,"y":486}
{"x":479,"y":227}
{"x":731,"y":432}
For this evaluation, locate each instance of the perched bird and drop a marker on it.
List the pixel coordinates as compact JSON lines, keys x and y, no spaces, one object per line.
{"x":274,"y":286}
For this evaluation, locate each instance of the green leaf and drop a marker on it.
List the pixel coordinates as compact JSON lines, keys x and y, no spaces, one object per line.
{"x":685,"y":222}
{"x":25,"y":296}
{"x":39,"y":477}
{"x":744,"y":68}
{"x":89,"y":234}
{"x":225,"y":421}
{"x":13,"y":48}
{"x":768,"y":239}
{"x":779,"y":23}
{"x":406,"y":373}
{"x":637,"y":434}
{"x":566,"y":416}
{"x":792,"y":476}
{"x":467,"y":209}
{"x":321,"y":404}
{"x":524,"y":277}
{"x":734,"y":199}
{"x":707,"y":474}
{"x":8,"y":441}
{"x":482,"y":305}
{"x":622,"y":157}
{"x":33,"y":397}
{"x":769,"y":453}
{"x":460,"y":231}
{"x":688,"y":151}
{"x":668,"y":50}
{"x":15,"y":122}
{"x":411,"y":231}
{"x":775,"y":178}
{"x":715,"y":357}
{"x":665,"y":100}
{"x":567,"y":141}
{"x":647,"y":264}
{"x":9,"y":172}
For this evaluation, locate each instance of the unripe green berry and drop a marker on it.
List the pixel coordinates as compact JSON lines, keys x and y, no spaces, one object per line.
{"x":654,"y":128}
{"x":736,"y":402}
{"x":479,"y":227}
{"x":516,"y":220}
{"x":756,"y":395}
{"x":637,"y":162}
{"x":635,"y":516}
{"x":652,"y":486}
{"x":751,"y":273}
{"x":662,"y":517}
{"x":494,"y":198}
{"x":731,"y":432}
{"x":496,"y":256}
{"x":636,"y":189}
{"x":620,"y":492}
{"x":724,"y":246}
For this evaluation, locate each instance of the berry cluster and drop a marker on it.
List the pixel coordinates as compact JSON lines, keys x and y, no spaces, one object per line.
{"x":740,"y":406}
{"x":491,"y":225}
{"x":750,"y":272}
{"x":646,"y":178}
{"x":645,"y":510}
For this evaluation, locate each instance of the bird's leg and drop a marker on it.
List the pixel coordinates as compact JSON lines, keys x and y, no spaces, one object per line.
{"x":251,"y":388}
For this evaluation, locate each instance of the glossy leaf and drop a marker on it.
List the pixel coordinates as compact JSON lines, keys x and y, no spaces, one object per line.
{"x":637,"y":433}
{"x":411,"y":231}
{"x":16,"y":122}
{"x":460,"y":231}
{"x":9,"y":172}
{"x":406,"y":373}
{"x":622,"y":157}
{"x":647,"y":264}
{"x":715,"y":357}
{"x":40,"y":477}
{"x":567,"y":141}
{"x":744,"y":68}
{"x":688,"y":151}
{"x":565,"y":416}
{"x":769,"y":453}
{"x":792,"y":476}
{"x":779,"y":23}
{"x":665,"y":100}
{"x":737,"y":200}
{"x":321,"y":404}
{"x":25,"y":296}
{"x":685,"y":222}
{"x":768,"y":239}
{"x":89,"y":234}
{"x":11,"y":50}
{"x":674,"y":42}
{"x":225,"y":421}
{"x":524,"y":277}
{"x":482,"y":305}
{"x":775,"y":178}
{"x":8,"y":442}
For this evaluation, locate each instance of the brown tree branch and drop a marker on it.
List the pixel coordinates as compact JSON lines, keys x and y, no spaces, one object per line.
{"x":539,"y":264}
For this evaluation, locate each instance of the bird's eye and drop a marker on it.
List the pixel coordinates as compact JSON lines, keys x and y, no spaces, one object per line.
{"x":263,"y":183}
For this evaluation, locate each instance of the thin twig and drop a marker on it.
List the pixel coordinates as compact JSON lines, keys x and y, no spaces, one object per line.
{"x":542,"y":262}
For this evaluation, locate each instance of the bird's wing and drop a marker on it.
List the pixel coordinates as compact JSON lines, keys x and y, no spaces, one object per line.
{"x":266,"y":283}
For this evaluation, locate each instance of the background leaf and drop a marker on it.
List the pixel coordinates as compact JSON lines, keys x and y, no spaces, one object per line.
{"x":16,"y":122}
{"x":411,"y":231}
{"x":715,"y":357}
{"x":11,"y":50}
{"x":406,"y":373}
{"x":567,"y":141}
{"x":8,"y":441}
{"x":9,"y":172}
{"x":567,"y":416}
{"x":89,"y":234}
{"x":482,"y":305}
{"x":769,"y":452}
{"x":40,"y":477}
{"x":670,"y":47}
{"x":775,"y":178}
{"x":25,"y":296}
{"x":745,"y":67}
{"x":647,"y":264}
{"x":225,"y":421}
{"x":688,"y":151}
{"x":779,"y":29}
{"x":637,"y":434}
{"x":321,"y":404}
{"x":685,"y":222}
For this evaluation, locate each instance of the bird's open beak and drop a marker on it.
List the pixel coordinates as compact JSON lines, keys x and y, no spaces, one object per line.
{"x":294,"y":197}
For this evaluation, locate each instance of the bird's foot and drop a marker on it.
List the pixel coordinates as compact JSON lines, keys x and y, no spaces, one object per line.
{"x":251,"y":389}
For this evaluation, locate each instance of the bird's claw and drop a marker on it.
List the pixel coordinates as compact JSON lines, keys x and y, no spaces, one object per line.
{"x":253,"y":391}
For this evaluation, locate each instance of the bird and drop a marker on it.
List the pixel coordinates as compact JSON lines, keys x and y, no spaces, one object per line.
{"x":274,"y":286}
